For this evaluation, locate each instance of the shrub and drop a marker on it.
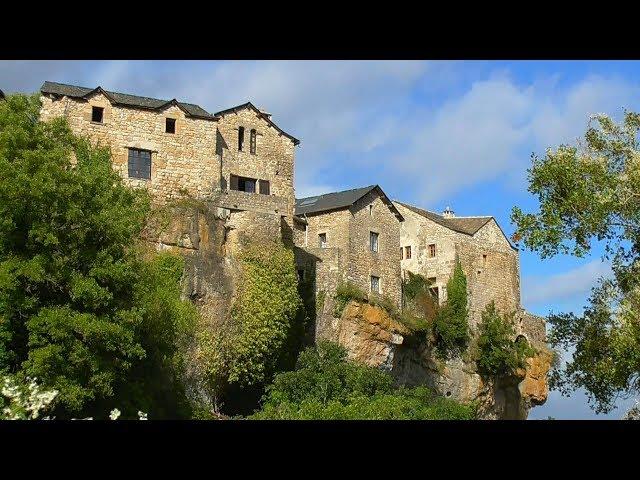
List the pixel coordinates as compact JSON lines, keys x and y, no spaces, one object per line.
{"x":451,"y":324}
{"x":498,"y":352}
{"x":345,"y":292}
{"x":327,"y":386}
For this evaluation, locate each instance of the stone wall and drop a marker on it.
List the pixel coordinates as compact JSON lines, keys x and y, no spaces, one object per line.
{"x":181,"y":163}
{"x":273,"y":160}
{"x":489,"y":262}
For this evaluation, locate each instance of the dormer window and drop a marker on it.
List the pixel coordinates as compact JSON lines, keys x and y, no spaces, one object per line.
{"x":252,"y":141}
{"x":170,"y":125}
{"x":97,"y":114}
{"x":240,"y":138}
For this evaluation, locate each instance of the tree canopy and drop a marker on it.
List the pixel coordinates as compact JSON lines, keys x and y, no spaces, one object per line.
{"x":590,"y":192}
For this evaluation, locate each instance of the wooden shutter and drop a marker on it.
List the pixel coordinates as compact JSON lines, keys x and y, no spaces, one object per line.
{"x":234,"y":182}
{"x":264,"y":187}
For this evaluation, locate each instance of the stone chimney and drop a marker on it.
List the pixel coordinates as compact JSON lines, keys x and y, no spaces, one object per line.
{"x":265,"y":113}
{"x":448,"y":213}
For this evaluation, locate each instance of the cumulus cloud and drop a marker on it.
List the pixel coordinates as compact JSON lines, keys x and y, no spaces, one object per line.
{"x":538,"y":289}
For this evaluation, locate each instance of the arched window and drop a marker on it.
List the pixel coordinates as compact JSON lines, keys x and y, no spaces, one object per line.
{"x":240,"y":138}
{"x":252,"y":141}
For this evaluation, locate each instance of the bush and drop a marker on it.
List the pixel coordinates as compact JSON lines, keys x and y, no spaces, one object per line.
{"x":451,"y":324}
{"x":345,"y":292}
{"x":327,"y":386}
{"x":498,"y":353}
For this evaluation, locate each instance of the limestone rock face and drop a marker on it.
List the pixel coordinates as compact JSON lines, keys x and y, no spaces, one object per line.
{"x":371,"y":336}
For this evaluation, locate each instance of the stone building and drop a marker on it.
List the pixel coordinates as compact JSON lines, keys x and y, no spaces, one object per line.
{"x":352,"y":236}
{"x":431,"y":243}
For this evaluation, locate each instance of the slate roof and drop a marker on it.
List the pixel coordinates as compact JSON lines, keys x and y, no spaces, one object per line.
{"x":262,"y":115}
{"x":1,"y":94}
{"x":339,"y":200}
{"x":125,"y":99}
{"x":466,"y":225}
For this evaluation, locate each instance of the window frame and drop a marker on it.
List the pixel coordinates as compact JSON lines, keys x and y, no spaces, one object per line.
{"x":170,"y":121}
{"x":407,"y":252}
{"x":374,"y":235}
{"x":253,"y":141}
{"x":96,"y":108}
{"x":429,"y":249}
{"x":378,"y":284}
{"x":140,"y":160}
{"x":261,"y":183}
{"x":321,"y":243}
{"x":240,"y":138}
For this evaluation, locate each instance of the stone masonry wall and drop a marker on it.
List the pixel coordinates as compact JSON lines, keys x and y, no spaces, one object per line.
{"x":494,"y":277}
{"x":385,"y":263}
{"x":181,"y":163}
{"x":273,"y":160}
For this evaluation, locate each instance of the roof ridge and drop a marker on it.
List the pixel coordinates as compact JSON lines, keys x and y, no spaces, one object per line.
{"x":340,"y":191}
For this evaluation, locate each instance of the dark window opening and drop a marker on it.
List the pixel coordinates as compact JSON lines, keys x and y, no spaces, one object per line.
{"x":322,"y":239}
{"x":252,"y":141}
{"x":373,"y":241}
{"x":97,"y":114}
{"x":408,"y":252}
{"x":401,"y":253}
{"x":171,"y":125}
{"x":264,"y":187}
{"x":435,"y":291}
{"x":432,"y":250}
{"x":240,"y":138}
{"x":375,"y":284}
{"x":243,"y":184}
{"x":301,"y":275}
{"x":484,"y":261}
{"x":139,"y":164}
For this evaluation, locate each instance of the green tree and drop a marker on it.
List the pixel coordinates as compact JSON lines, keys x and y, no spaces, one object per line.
{"x":451,"y":324}
{"x":327,"y":386}
{"x":591,"y":192}
{"x":80,"y":310}
{"x":498,"y":351}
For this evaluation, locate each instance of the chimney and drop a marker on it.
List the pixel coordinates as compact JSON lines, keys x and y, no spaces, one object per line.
{"x":265,"y":113}
{"x":448,"y":213}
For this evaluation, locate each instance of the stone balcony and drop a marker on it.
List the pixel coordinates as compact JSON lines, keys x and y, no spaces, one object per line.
{"x":256,"y":202}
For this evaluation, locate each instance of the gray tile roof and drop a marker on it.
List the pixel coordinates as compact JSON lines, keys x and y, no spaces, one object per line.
{"x":338,"y":201}
{"x":466,"y":225}
{"x":125,"y":99}
{"x":1,"y":94}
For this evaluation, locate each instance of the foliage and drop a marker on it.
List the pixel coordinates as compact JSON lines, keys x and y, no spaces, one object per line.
{"x":451,"y":324}
{"x":327,"y":386}
{"x":264,"y":315}
{"x":23,"y":400}
{"x":80,"y":309}
{"x":345,"y":292}
{"x":420,"y":308}
{"x":633,"y":413}
{"x":588,"y":193}
{"x":499,"y":353}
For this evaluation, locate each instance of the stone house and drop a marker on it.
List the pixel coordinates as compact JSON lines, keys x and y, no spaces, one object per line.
{"x":238,"y":159}
{"x":354,"y":236}
{"x":431,"y":243}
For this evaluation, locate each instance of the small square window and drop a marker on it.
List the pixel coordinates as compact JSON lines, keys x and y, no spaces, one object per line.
{"x":97,"y":114}
{"x":432,"y":250}
{"x":373,"y":241}
{"x":170,"y":125}
{"x":322,"y":239}
{"x":375,"y":284}
{"x":407,"y":250}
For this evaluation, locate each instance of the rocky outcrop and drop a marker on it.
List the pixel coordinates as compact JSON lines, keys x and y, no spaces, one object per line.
{"x":371,"y":336}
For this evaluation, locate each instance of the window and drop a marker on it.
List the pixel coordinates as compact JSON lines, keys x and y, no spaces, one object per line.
{"x":401,"y":253}
{"x":97,"y":114}
{"x":322,"y":240}
{"x":407,"y":251}
{"x":484,"y":261}
{"x":373,"y":241}
{"x":264,"y":187}
{"x":240,"y":138}
{"x":170,"y":126}
{"x":139,"y":164}
{"x":375,"y":284}
{"x":301,"y":275}
{"x":432,"y":250}
{"x":433,"y":289}
{"x":370,"y":210}
{"x":252,"y":141}
{"x":243,"y":184}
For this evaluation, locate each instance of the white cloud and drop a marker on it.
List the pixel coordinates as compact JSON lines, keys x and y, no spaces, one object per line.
{"x":538,"y":289}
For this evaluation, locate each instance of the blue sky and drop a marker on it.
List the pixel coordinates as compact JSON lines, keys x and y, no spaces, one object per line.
{"x":430,"y":133}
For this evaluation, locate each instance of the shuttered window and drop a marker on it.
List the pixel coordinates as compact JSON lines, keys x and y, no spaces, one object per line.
{"x":139,"y":164}
{"x":264,"y":187}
